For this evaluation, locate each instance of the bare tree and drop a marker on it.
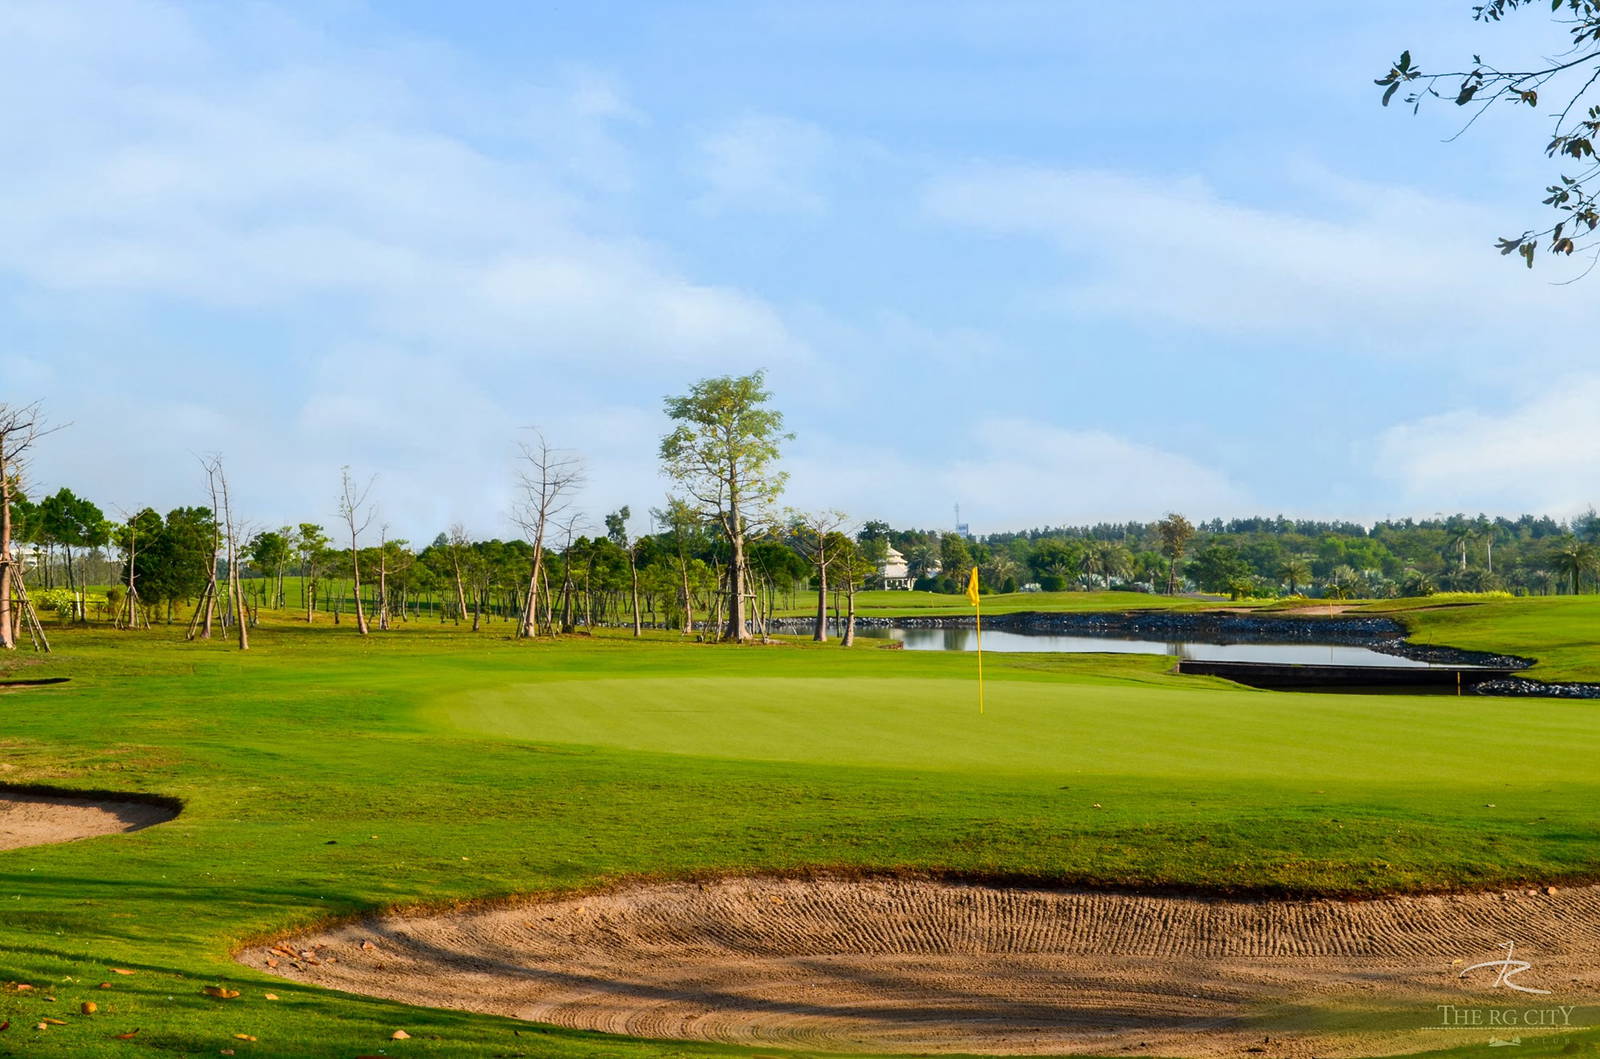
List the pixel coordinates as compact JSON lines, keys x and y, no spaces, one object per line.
{"x":549,"y":476}
{"x":569,"y":530}
{"x":815,"y":536}
{"x":205,"y":610}
{"x":383,"y":577}
{"x":457,"y":548}
{"x":20,"y":427}
{"x":241,"y":609}
{"x":357,"y":516}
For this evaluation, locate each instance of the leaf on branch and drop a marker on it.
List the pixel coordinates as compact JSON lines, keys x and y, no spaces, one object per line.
{"x":1527,"y":253}
{"x":1389,"y":93}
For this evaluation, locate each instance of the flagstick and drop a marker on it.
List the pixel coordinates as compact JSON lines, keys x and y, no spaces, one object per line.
{"x":980,"y":656}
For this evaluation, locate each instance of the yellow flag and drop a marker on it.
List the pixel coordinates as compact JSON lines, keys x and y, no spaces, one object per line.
{"x":972,"y":587}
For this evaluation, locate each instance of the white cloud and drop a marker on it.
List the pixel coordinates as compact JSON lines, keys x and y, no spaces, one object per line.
{"x":1009,"y":473}
{"x":294,"y":179}
{"x":763,"y":162}
{"x":1540,"y":455}
{"x":1362,"y":266}
{"x":320,"y":255}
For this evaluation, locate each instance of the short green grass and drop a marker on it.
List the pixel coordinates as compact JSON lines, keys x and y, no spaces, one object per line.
{"x":326,"y":776}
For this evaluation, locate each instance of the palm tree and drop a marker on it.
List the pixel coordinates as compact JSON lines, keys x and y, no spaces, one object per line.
{"x":1296,"y":571}
{"x":1416,"y":583}
{"x":1572,"y":559}
{"x":1342,"y":582}
{"x":1117,"y":562}
{"x":1000,"y":569}
{"x":1107,"y":559}
{"x":923,"y":557}
{"x":1460,"y":538}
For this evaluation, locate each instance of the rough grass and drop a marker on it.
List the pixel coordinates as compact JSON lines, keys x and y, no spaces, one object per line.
{"x":326,"y":776}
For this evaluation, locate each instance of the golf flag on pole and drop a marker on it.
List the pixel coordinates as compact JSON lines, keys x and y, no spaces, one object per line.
{"x":972,"y":597}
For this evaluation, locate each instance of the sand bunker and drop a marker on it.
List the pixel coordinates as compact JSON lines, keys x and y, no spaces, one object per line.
{"x":38,"y":819}
{"x":900,"y":965}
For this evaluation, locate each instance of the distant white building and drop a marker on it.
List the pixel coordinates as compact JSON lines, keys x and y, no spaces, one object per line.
{"x":27,"y":556}
{"x":894,"y":572}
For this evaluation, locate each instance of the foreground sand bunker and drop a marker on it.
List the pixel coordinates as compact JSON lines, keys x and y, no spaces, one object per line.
{"x":28,"y":819}
{"x":908,"y":965}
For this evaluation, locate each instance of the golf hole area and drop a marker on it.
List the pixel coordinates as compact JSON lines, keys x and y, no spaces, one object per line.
{"x":922,"y":965}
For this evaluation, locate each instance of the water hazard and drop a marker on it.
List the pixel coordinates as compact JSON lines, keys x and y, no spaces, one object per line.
{"x":1009,"y":641}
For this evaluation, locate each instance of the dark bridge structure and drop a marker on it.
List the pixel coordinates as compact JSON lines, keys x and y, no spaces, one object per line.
{"x":1309,"y":677}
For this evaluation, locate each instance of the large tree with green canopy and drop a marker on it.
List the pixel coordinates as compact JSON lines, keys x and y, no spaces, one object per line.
{"x":723,"y":453}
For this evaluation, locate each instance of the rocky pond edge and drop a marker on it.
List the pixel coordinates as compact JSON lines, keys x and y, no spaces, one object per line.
{"x":1376,"y":633}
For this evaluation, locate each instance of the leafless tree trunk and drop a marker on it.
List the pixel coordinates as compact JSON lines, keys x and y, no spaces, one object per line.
{"x":548,"y":478}
{"x":20,"y":427}
{"x":357,"y":517}
{"x":458,"y":544}
{"x":810,"y":534}
{"x":241,"y":608}
{"x":633,"y":569}
{"x":383,"y":577}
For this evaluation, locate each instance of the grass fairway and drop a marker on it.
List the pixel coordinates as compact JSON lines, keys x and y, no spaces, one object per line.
{"x":326,"y":776}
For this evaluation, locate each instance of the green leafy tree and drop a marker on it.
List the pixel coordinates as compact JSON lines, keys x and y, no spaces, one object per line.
{"x":71,"y":522}
{"x":723,"y":453}
{"x":269,"y":552}
{"x":1053,"y":561}
{"x":310,"y":545}
{"x":1564,"y":76}
{"x":1174,"y":532}
{"x":1216,"y":568}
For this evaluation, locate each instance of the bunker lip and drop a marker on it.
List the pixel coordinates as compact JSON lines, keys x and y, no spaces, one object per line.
{"x":925,"y":965}
{"x":37,"y":815}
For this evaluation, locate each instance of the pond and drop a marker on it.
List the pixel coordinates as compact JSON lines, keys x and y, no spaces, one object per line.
{"x":1007,"y":641}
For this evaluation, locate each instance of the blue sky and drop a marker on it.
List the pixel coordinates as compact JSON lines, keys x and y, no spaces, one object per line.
{"x":1055,"y":262}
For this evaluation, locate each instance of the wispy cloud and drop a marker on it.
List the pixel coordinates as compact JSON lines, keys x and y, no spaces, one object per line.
{"x":1542,"y":454}
{"x":763,"y":162}
{"x":1368,"y":267}
{"x":1010,"y":473}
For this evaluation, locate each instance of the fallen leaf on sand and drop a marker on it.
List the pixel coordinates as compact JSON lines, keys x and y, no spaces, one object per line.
{"x":220,"y":993}
{"x":368,"y":946}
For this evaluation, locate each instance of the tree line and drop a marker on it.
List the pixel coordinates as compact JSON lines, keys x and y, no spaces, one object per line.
{"x":721,"y":558}
{"x":1266,"y":557}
